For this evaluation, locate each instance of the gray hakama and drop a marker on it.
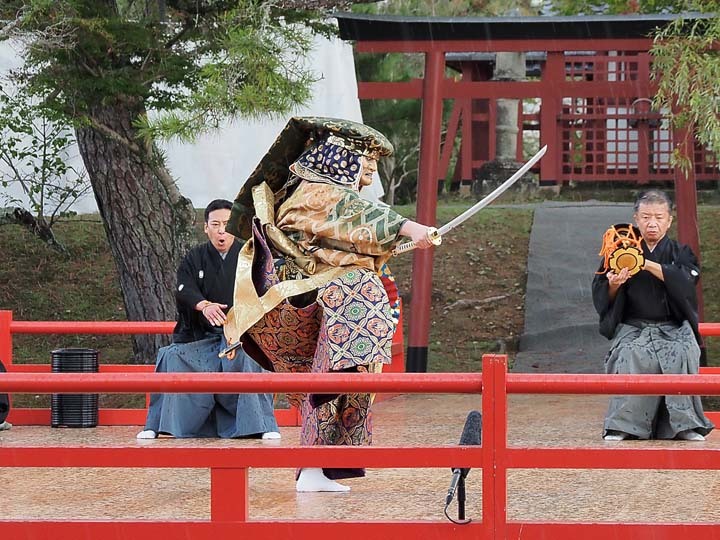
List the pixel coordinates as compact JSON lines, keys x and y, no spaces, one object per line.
{"x":208,"y":415}
{"x":647,"y":348}
{"x":653,"y":327}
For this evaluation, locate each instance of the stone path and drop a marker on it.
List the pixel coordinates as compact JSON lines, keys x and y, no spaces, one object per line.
{"x":561,"y":325}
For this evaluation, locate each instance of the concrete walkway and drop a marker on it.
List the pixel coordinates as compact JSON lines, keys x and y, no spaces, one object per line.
{"x":561,"y":325}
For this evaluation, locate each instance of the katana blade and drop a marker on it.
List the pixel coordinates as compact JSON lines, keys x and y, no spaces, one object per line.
{"x":467,"y":214}
{"x":436,"y":235}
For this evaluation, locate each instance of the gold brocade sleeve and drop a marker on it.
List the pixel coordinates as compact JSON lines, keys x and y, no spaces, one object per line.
{"x":334,"y":223}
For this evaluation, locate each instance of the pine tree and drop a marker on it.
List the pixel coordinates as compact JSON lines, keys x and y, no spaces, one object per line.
{"x":101,"y":65}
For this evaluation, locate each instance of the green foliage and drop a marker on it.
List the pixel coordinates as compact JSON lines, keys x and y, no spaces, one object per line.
{"x":710,"y":248}
{"x":398,"y":119}
{"x":33,"y":153}
{"x":259,"y":70}
{"x":449,"y":8}
{"x":195,"y":62}
{"x":616,"y":7}
{"x":686,"y":67}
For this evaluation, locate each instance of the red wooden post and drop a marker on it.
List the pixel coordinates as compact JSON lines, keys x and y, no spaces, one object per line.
{"x":488,"y":443}
{"x":5,"y":337}
{"x":229,"y":494}
{"x":6,"y":347}
{"x":494,"y":445}
{"x":686,"y":200}
{"x":419,"y":322}
{"x":644,"y":152}
{"x":553,"y":77}
{"x":685,"y":193}
{"x":483,"y":119}
{"x":398,"y":342}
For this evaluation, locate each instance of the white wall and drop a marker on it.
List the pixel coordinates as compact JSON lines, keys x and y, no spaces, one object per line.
{"x":216,"y":165}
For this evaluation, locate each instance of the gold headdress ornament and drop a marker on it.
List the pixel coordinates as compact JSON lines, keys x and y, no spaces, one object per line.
{"x":622,"y":248}
{"x":359,"y":147}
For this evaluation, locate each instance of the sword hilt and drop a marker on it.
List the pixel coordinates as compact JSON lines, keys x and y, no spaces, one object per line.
{"x":433,"y":235}
{"x":229,"y":351}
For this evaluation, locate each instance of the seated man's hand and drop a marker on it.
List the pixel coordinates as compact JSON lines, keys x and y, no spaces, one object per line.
{"x":615,"y":280}
{"x":214,"y":313}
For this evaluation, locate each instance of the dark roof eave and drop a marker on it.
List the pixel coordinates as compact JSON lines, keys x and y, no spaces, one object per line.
{"x":356,"y":27}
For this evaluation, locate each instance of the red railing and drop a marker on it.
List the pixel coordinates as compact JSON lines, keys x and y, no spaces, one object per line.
{"x":229,"y":485}
{"x":229,"y":480}
{"x":117,"y":416}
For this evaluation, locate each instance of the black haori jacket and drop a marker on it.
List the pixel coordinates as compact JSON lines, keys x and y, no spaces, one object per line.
{"x":676,"y":296}
{"x":203,"y":275}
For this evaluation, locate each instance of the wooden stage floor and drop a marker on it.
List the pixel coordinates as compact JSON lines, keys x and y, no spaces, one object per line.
{"x":385,"y":494}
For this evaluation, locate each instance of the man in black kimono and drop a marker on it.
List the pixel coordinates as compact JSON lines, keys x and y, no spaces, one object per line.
{"x":652,"y":319}
{"x":205,"y":286}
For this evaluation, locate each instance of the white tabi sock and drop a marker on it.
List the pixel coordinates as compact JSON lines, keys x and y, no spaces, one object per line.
{"x":690,"y":435}
{"x":314,"y":480}
{"x":270,"y":435}
{"x":146,"y":434}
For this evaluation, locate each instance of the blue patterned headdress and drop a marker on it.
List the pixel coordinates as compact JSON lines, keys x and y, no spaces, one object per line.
{"x":330,"y":162}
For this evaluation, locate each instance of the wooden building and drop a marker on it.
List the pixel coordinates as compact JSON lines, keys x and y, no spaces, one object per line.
{"x":586,"y":93}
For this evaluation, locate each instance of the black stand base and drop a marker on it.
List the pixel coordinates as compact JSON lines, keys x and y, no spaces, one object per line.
{"x":461,"y":502}
{"x":416,"y":360}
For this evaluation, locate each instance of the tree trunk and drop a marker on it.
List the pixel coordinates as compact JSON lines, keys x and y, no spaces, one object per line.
{"x":147,"y":221}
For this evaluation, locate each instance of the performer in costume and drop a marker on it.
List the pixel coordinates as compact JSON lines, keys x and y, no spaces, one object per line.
{"x":651,"y":316}
{"x":308,"y":293}
{"x":205,"y":284}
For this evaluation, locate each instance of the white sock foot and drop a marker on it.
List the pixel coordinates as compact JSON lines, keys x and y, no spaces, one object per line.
{"x":271,"y":435}
{"x":616,"y":436}
{"x":146,"y":434}
{"x":312,"y":480}
{"x":5,"y":425}
{"x":690,"y":435}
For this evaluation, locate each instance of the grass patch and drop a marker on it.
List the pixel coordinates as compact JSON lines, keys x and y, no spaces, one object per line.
{"x":478,"y":291}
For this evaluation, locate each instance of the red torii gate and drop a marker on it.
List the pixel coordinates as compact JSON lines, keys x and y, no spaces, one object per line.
{"x":579,"y":141}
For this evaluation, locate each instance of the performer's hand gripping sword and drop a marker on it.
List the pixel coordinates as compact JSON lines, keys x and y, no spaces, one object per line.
{"x":436,"y":235}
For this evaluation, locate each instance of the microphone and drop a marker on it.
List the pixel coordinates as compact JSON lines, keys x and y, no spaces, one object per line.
{"x":470,"y":437}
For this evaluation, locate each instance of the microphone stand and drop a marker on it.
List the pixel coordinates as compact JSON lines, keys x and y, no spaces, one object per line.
{"x":460,"y":491}
{"x":461,"y":501}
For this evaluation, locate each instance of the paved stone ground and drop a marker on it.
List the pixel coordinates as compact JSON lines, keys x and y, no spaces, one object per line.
{"x":545,"y":421}
{"x":561,"y":325}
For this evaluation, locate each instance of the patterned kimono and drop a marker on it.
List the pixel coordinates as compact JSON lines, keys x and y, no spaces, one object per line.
{"x":339,"y":318}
